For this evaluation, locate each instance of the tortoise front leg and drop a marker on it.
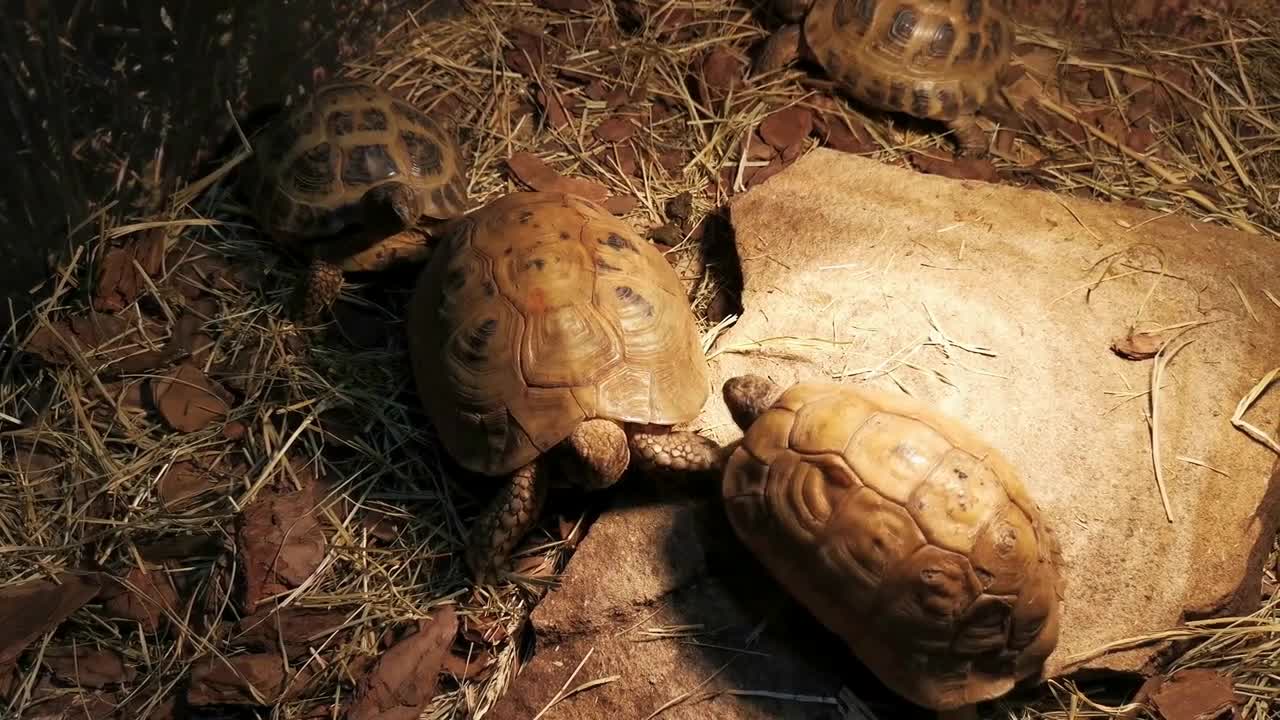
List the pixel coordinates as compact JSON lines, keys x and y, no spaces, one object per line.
{"x":679,"y":451}
{"x":600,"y":445}
{"x":970,"y":138}
{"x":318,"y":290}
{"x":509,"y":516}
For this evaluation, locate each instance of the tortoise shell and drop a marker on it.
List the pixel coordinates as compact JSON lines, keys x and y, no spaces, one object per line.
{"x":542,"y":310}
{"x":934,"y":59}
{"x":905,"y":534}
{"x":315,"y":162}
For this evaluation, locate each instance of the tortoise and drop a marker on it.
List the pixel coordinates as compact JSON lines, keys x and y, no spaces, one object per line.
{"x":552,"y":345}
{"x":899,"y":529}
{"x":933,"y":59}
{"x":356,"y":179}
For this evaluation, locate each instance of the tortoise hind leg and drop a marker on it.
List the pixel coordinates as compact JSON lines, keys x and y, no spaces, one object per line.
{"x":509,"y":516}
{"x":318,"y":290}
{"x":680,"y":451}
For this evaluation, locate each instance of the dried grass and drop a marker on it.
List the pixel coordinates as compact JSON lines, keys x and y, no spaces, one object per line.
{"x":348,"y":413}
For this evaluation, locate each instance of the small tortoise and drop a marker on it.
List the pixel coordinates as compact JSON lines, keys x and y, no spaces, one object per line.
{"x":933,"y":59}
{"x":901,"y":531}
{"x":355,"y":178}
{"x":543,"y":327}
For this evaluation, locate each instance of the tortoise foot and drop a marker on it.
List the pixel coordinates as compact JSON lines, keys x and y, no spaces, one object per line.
{"x":506,"y":520}
{"x":601,"y":445}
{"x":320,"y":289}
{"x":969,"y":138}
{"x":395,"y":203}
{"x":678,"y":451}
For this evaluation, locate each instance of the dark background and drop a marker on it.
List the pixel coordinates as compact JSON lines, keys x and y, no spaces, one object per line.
{"x":112,"y":101}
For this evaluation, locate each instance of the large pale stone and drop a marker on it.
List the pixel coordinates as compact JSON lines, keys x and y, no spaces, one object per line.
{"x":1000,"y":305}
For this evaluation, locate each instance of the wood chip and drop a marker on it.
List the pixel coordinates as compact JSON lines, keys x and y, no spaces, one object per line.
{"x":963,"y":168}
{"x":527,"y":54}
{"x":722,"y":70}
{"x":1138,"y":345}
{"x":119,"y":281}
{"x":566,"y":5}
{"x":279,"y":541}
{"x":787,"y":127}
{"x":614,"y":129}
{"x":557,"y":107}
{"x":530,"y":170}
{"x":105,"y":341}
{"x":255,"y":679}
{"x":85,"y":666}
{"x":290,"y":629}
{"x":1195,"y":694}
{"x":406,"y":677}
{"x":186,"y":482}
{"x":143,"y":596}
{"x":187,"y":399}
{"x":621,"y":204}
{"x":30,"y":609}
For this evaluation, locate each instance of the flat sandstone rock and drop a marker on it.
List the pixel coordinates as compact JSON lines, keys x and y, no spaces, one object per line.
{"x":1000,"y":305}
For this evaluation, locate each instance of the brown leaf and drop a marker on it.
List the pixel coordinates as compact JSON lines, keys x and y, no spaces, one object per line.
{"x":185,"y":481}
{"x":144,"y":597}
{"x":614,"y":129}
{"x":86,"y":667}
{"x":620,"y":96}
{"x":787,"y":127}
{"x":32,"y":608}
{"x":531,"y":171}
{"x":405,"y":679}
{"x":963,"y":168}
{"x":1138,"y":345}
{"x":280,"y":542}
{"x":1195,"y":694}
{"x":187,"y":399}
{"x":187,"y":340}
{"x":255,"y":679}
{"x":295,"y":628}
{"x":621,"y":204}
{"x":119,"y":281}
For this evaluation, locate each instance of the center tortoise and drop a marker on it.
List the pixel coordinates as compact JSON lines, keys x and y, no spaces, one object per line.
{"x":550,"y":342}
{"x":933,"y":59}
{"x":901,"y":531}
{"x":358,"y":180}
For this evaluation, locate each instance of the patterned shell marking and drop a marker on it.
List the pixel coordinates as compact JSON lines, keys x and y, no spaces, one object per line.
{"x":936,"y":59}
{"x":315,"y":162}
{"x":905,"y":534}
{"x":540,"y":311}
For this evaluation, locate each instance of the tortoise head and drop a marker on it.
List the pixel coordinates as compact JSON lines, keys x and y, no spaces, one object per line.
{"x":393,"y":203}
{"x":747,"y":396}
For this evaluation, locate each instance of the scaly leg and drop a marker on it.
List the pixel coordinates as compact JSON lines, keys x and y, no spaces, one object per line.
{"x":969,"y":137}
{"x":778,"y":50}
{"x":319,"y":290}
{"x":600,"y":445}
{"x":680,"y":451}
{"x":508,"y":518}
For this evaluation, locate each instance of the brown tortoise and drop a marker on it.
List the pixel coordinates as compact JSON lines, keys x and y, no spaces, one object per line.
{"x":933,"y":59}
{"x":900,"y":530}
{"x":358,"y":180}
{"x":546,"y":335}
